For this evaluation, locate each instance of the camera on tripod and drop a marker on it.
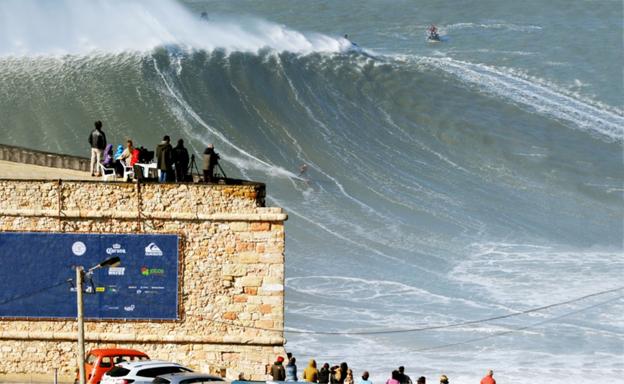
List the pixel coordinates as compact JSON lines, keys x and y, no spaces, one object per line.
{"x":210,"y":162}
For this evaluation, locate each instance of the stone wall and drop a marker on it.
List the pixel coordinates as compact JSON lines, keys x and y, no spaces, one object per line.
{"x":232,"y":282}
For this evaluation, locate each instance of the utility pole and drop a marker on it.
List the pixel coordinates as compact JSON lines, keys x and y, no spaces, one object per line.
{"x":80,"y":312}
{"x":80,"y":276}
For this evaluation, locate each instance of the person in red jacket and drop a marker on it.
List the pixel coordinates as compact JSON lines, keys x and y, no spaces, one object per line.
{"x":489,"y":378}
{"x":135,"y":156}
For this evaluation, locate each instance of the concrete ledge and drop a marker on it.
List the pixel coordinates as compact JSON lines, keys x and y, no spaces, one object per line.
{"x":46,"y":159}
{"x":130,"y":338}
{"x":86,"y":215}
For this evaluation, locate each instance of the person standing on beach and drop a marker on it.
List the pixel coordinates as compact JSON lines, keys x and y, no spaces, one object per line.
{"x":164,"y":160}
{"x":364,"y":379}
{"x":291,"y":370}
{"x":403,"y":378}
{"x":323,"y":375}
{"x":394,"y":379}
{"x":277,"y":370}
{"x":489,"y":378}
{"x":343,"y":372}
{"x":311,"y":374}
{"x":335,"y":375}
{"x":97,"y":140}
{"x":421,"y":380}
{"x":349,"y":377}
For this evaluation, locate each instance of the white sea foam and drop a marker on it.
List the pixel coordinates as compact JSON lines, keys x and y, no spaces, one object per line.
{"x":82,"y":27}
{"x":526,"y":274}
{"x":366,"y":290}
{"x":540,"y":96}
{"x":499,"y":26}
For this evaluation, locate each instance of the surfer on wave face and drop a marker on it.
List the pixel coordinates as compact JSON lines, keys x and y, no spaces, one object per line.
{"x":352,"y":44}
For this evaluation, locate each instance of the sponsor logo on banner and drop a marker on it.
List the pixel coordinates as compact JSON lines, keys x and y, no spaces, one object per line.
{"x":129,"y":308}
{"x":100,"y":289}
{"x":153,"y":250}
{"x":116,"y":271}
{"x":112,"y":289}
{"x":115,"y":249}
{"x":110,"y":308}
{"x":79,"y":248}
{"x":145,"y":271}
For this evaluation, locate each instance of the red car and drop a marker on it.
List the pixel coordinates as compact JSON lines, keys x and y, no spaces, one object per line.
{"x":100,"y":361}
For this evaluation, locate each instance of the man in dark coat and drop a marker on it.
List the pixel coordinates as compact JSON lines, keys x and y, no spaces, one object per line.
{"x":323,"y":376}
{"x":211,"y":159}
{"x":97,"y":140}
{"x":164,"y":160}
{"x":180,"y":160}
{"x":277,"y":370}
{"x":403,"y":378}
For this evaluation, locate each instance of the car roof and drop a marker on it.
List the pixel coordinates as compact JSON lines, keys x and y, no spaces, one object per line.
{"x":147,"y":363}
{"x":116,"y":351}
{"x":260,"y":381}
{"x":190,"y":375}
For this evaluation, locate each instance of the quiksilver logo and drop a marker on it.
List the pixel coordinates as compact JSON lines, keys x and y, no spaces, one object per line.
{"x":153,"y":250}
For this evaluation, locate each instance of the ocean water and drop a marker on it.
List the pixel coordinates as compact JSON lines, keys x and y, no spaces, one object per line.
{"x":474,"y":178}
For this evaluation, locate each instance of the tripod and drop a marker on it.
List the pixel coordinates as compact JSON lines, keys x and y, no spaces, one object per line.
{"x":193,"y":166}
{"x":221,"y":170}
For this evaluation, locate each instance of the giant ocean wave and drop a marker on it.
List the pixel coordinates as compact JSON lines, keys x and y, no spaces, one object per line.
{"x":421,"y":170}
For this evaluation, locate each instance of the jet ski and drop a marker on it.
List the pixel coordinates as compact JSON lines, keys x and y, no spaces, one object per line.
{"x":434,"y":37}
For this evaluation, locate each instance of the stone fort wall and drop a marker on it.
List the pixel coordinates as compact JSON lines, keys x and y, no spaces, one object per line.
{"x":231,"y":282}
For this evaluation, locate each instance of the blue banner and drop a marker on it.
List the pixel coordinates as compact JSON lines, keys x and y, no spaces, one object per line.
{"x":38,"y":271}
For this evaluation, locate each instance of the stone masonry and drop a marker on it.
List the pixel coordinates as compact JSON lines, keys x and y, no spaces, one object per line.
{"x":231,"y":290}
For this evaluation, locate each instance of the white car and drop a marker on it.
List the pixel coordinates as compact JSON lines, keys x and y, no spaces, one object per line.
{"x":141,"y":372}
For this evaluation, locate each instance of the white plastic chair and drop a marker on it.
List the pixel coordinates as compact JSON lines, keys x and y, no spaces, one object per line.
{"x":107,"y":173}
{"x":128,"y":172}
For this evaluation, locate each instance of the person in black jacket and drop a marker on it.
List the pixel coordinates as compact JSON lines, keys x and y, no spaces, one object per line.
{"x":403,"y":378}
{"x":97,"y":140}
{"x":180,"y":161}
{"x":323,"y":376}
{"x":164,"y":160}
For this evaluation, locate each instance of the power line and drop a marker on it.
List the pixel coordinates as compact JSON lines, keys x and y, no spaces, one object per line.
{"x":502,"y":333}
{"x":30,"y":294}
{"x":382,"y":332}
{"x":469,"y":322}
{"x":427,"y":328}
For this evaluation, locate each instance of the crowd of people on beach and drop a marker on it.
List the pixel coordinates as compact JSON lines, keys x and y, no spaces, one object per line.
{"x":172,"y":163}
{"x":342,"y":374}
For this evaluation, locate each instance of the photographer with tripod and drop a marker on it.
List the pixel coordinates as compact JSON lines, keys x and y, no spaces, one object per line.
{"x":211,"y":160}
